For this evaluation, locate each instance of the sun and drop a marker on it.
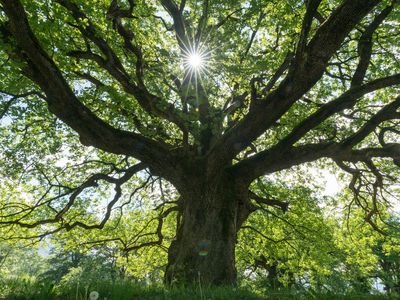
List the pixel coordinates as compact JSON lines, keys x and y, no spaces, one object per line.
{"x":195,"y":60}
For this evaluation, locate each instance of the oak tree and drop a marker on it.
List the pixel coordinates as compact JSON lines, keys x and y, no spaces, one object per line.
{"x":207,"y":95}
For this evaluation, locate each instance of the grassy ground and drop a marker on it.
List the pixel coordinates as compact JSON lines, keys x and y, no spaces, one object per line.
{"x":125,"y":290}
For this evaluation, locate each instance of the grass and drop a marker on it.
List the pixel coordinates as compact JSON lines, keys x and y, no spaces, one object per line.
{"x":127,"y":290}
{"x":123,"y":290}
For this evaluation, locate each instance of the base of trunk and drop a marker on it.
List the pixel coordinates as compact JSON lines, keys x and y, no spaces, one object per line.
{"x":204,"y":249}
{"x":205,"y":262}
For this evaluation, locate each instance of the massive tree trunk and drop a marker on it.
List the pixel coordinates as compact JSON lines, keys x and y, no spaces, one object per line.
{"x":204,"y":247}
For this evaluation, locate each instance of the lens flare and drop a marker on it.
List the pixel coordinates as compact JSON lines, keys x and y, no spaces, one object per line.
{"x":195,"y":60}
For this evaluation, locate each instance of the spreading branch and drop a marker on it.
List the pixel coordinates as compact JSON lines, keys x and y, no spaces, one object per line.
{"x":269,"y":201}
{"x":321,"y":47}
{"x":59,"y":218}
{"x":66,"y":106}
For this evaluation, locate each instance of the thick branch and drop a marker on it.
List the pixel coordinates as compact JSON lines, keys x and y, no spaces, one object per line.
{"x":278,"y":73}
{"x":277,"y":159}
{"x":365,"y":46}
{"x":64,"y":104}
{"x":311,"y":10}
{"x":386,"y":113}
{"x":305,"y":73}
{"x":188,"y":45}
{"x":269,"y":202}
{"x":274,"y":160}
{"x":388,"y":151}
{"x":345,"y":101}
{"x":179,"y":23}
{"x":151,"y":103}
{"x":285,"y":156}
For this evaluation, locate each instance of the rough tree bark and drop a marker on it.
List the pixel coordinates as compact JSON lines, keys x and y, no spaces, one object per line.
{"x":213,"y":206}
{"x":204,"y":248}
